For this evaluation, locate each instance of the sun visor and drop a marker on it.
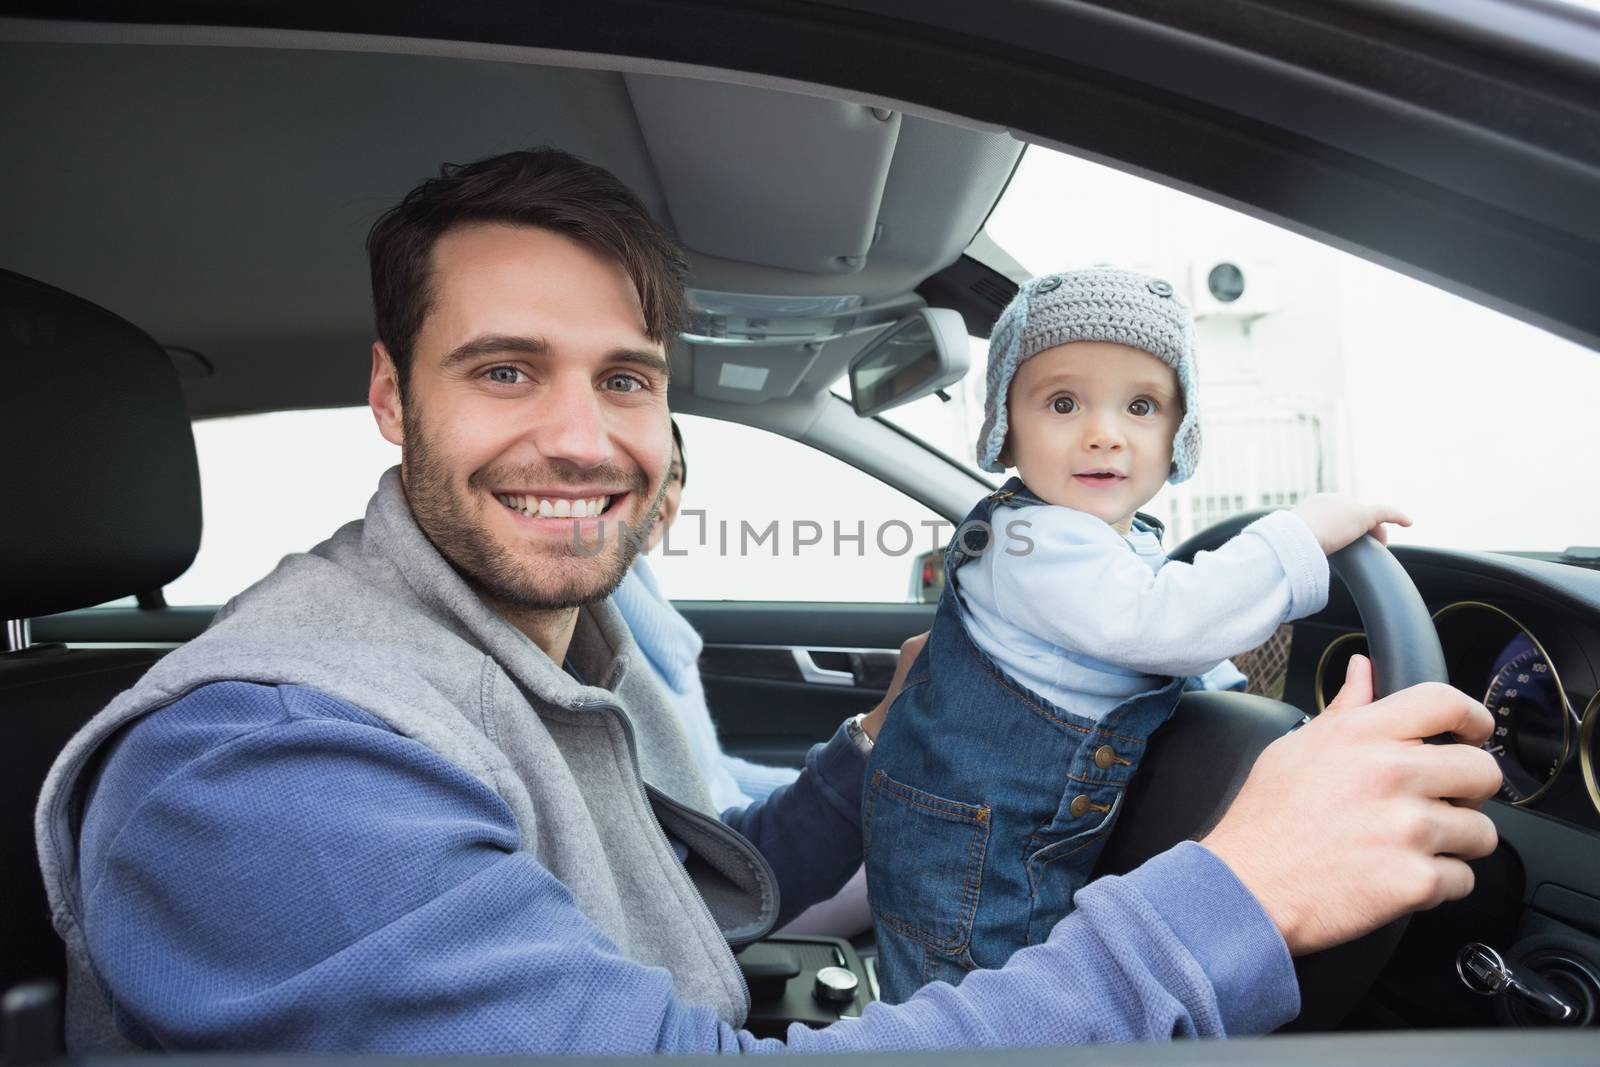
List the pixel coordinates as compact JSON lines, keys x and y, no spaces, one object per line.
{"x":750,"y":375}
{"x":798,"y":181}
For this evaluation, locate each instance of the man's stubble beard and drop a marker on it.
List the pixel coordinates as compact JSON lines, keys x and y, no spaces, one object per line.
{"x":495,"y":573}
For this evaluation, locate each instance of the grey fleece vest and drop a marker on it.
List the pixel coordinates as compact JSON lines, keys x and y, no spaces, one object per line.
{"x":593,"y":773}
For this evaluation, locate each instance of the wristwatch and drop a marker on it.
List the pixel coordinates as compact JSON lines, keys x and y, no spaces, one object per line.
{"x":858,"y":733}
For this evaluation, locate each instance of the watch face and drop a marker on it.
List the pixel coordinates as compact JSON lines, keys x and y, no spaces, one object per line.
{"x":854,"y":730}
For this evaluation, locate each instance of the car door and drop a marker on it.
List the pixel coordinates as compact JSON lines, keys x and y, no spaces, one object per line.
{"x":779,"y":677}
{"x":796,"y":571}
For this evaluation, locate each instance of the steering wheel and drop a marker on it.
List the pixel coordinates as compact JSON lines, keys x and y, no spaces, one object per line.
{"x":1195,"y":764}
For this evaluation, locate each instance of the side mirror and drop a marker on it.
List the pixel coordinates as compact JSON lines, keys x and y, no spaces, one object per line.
{"x":927,"y":577}
{"x":920,"y":354}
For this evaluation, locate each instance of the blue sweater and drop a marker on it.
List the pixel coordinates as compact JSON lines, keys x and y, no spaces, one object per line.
{"x":270,"y":868}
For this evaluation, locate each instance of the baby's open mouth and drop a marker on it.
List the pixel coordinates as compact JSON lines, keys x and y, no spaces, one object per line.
{"x":1100,"y":476}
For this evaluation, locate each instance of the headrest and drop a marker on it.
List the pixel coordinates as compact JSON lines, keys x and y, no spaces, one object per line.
{"x":98,"y":476}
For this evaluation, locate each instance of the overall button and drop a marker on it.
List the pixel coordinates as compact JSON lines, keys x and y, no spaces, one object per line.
{"x":1082,"y":805}
{"x":1104,"y":756}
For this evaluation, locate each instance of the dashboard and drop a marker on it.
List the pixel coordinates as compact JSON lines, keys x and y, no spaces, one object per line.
{"x":1523,"y":636}
{"x":1544,"y":734}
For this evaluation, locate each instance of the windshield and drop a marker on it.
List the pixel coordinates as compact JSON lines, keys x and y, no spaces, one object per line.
{"x":1319,"y":371}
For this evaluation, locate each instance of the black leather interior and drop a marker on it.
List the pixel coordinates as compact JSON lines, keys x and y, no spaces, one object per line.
{"x":46,"y":693}
{"x":102,"y":495}
{"x":100,"y":480}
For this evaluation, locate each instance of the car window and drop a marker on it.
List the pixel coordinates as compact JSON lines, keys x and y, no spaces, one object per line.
{"x":767,"y":518}
{"x":763,"y":517}
{"x":274,"y":484}
{"x":1318,"y":370}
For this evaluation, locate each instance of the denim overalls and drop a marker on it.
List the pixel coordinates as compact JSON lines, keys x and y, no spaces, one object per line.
{"x":985,"y":805}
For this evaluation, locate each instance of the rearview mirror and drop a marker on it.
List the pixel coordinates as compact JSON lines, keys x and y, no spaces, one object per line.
{"x":920,"y":354}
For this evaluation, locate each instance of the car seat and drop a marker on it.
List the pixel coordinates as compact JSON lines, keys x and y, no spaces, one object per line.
{"x":102,"y":491}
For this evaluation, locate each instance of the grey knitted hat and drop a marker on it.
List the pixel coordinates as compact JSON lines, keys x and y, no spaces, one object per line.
{"x":1097,"y":304}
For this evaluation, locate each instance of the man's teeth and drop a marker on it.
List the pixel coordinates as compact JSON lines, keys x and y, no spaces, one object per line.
{"x":558,"y":508}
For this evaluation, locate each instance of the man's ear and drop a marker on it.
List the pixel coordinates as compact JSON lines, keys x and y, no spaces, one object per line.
{"x":383,"y":396}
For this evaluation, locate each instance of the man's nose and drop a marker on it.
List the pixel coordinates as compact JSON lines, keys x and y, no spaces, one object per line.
{"x":572,"y":425}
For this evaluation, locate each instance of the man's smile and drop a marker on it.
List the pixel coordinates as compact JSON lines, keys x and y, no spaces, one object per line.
{"x":565,"y":510}
{"x":561,"y":505}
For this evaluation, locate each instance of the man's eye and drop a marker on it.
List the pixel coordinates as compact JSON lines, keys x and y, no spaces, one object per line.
{"x":1142,"y":406}
{"x":624,"y":383}
{"x":1063,"y":405}
{"x":505,"y":375}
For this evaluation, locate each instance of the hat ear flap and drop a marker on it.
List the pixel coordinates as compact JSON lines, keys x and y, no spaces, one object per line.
{"x":1004,"y":344}
{"x":1185,"y":449}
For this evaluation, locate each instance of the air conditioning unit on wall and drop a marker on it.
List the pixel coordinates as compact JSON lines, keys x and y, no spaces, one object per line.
{"x":1235,"y":288}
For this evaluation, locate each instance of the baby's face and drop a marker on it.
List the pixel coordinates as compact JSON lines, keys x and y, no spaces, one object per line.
{"x":1091,"y":427}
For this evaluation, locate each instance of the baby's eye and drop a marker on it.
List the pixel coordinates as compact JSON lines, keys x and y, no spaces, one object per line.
{"x":1142,"y":406}
{"x":505,"y":375}
{"x":1063,"y":405}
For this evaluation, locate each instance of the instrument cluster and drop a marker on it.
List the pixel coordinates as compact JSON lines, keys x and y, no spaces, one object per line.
{"x":1544,"y":739}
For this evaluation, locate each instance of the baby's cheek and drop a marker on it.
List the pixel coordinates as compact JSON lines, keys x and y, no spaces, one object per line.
{"x":1160,"y":438}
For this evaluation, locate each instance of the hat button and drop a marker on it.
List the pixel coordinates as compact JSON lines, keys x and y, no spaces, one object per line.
{"x":1047,"y":284}
{"x":1159,"y":287}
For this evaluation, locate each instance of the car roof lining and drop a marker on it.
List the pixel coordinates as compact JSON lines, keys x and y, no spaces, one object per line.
{"x":52,"y":31}
{"x":1145,"y":106}
{"x":790,"y":210}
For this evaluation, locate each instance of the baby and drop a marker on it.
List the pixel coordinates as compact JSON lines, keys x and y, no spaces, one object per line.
{"x":1064,"y":637}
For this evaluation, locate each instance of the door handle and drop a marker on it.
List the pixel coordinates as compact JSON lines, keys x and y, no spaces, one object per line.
{"x":812,"y":674}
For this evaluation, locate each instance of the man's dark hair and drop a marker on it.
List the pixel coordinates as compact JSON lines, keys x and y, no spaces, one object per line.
{"x":541,"y":187}
{"x":683,"y":457}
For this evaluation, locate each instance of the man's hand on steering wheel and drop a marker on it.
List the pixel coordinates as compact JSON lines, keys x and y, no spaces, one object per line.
{"x":1352,"y":821}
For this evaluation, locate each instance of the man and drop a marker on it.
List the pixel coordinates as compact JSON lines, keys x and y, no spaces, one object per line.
{"x":412,"y":792}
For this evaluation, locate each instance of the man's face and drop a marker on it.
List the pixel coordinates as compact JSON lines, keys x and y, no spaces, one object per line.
{"x":1091,"y":426}
{"x":534,"y":431}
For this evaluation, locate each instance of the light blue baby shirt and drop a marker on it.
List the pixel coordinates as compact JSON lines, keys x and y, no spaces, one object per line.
{"x":1087,"y":617}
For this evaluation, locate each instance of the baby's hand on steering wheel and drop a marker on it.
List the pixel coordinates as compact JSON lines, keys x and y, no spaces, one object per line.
{"x":1337,"y":520}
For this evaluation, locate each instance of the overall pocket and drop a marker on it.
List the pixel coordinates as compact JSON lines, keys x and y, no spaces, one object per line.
{"x":924,"y":857}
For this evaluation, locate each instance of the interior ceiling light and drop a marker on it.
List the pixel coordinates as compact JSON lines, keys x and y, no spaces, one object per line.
{"x":758,"y":319}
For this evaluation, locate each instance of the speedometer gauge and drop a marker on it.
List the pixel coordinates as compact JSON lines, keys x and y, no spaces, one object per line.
{"x":1531,"y":734}
{"x":1491,"y":653}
